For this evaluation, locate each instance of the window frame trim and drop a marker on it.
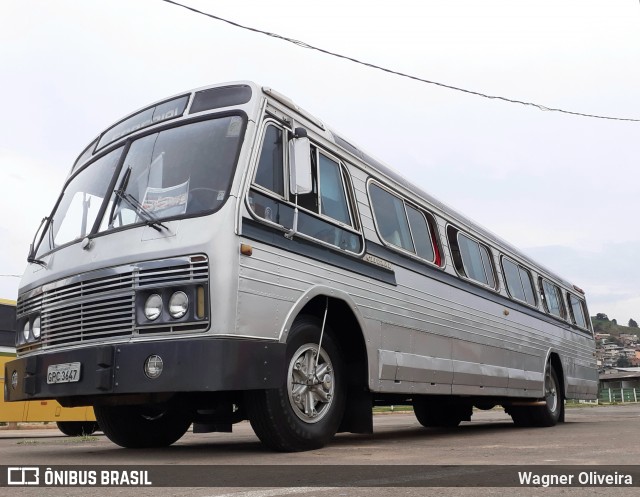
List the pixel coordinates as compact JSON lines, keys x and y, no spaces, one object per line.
{"x":403,"y":251}
{"x":506,"y":284}
{"x":491,"y":256}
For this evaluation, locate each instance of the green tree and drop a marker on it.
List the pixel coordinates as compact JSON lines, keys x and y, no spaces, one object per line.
{"x":602,"y":316}
{"x":633,"y":323}
{"x":623,"y":362}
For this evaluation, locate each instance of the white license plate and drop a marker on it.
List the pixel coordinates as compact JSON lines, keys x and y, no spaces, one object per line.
{"x":63,"y":373}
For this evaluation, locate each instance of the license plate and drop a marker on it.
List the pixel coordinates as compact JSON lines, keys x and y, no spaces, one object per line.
{"x":63,"y":373}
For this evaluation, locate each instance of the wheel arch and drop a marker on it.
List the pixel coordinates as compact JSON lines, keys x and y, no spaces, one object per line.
{"x":347,"y":324}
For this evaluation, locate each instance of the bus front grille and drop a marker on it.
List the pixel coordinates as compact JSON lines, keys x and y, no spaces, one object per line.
{"x":100,"y":305}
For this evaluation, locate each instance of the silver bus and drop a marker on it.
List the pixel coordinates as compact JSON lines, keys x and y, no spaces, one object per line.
{"x":223,"y":255}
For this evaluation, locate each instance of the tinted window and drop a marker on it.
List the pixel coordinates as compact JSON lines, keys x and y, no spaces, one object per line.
{"x":270,"y":172}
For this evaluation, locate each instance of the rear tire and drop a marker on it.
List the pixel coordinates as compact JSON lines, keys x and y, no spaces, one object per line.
{"x":546,"y":415}
{"x":137,"y":427}
{"x":304,"y":413}
{"x":77,"y":428}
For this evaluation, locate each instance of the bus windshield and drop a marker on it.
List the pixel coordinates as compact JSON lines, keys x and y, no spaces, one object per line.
{"x":182,"y":171}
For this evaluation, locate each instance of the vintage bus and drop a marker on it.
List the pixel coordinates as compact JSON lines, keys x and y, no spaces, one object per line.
{"x":224,"y":255}
{"x":73,"y":421}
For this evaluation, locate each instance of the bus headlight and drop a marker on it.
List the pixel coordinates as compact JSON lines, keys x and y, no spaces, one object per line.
{"x":25,"y":330}
{"x":35,"y":329}
{"x":178,"y":305}
{"x":153,"y":307}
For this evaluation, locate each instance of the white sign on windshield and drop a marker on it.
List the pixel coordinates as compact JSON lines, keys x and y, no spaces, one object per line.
{"x":167,"y":202}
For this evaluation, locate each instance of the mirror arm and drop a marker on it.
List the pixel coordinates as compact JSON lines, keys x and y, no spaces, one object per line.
{"x":294,"y":228}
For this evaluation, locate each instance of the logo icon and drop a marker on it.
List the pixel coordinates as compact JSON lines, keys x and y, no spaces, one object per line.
{"x":23,"y":476}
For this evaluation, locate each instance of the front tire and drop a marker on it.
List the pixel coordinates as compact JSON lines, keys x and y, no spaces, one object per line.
{"x":304,"y":413}
{"x":137,"y":427}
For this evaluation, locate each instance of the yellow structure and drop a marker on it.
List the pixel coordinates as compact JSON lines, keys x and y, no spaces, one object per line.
{"x":71,"y":421}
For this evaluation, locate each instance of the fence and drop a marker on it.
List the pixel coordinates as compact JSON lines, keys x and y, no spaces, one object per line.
{"x":619,"y":395}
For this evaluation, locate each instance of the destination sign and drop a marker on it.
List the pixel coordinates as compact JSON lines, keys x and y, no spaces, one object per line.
{"x":152,"y":115}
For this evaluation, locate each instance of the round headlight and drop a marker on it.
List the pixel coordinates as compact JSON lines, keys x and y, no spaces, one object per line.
{"x":36,"y":328}
{"x":25,"y":331}
{"x":153,"y":307}
{"x":178,"y":305}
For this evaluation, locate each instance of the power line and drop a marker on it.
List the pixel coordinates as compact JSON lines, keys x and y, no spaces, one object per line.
{"x":10,"y":276}
{"x":302,"y":44}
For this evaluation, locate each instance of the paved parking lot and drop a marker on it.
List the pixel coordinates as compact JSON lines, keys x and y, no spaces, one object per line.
{"x":599,"y":436}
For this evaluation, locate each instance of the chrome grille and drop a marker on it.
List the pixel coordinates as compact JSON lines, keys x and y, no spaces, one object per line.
{"x":100,"y":305}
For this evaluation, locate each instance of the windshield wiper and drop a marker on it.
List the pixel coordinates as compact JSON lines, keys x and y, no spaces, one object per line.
{"x":150,"y":219}
{"x":120,"y":192}
{"x":31,"y":258}
{"x":121,"y":188}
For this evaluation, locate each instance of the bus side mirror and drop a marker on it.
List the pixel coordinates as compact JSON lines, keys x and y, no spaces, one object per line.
{"x":300,"y":181}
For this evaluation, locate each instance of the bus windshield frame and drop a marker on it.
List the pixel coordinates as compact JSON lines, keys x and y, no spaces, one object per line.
{"x":178,"y":171}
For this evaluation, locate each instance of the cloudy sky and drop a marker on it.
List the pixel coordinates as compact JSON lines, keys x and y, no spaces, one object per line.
{"x":562,"y":188}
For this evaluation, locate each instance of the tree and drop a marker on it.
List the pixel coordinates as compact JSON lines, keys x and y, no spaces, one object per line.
{"x":614,"y":321}
{"x":632,"y":323}
{"x":623,"y":362}
{"x":602,"y":316}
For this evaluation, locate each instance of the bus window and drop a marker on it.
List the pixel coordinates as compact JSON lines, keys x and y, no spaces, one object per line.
{"x":552,"y":298}
{"x":576,"y":310}
{"x":471,"y":258}
{"x":80,"y":203}
{"x":518,"y":281}
{"x":391,"y":218}
{"x":270,"y":172}
{"x":333,"y":201}
{"x":421,"y":234}
{"x":328,"y":200}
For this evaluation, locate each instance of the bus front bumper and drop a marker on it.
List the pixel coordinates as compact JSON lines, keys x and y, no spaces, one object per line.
{"x":188,"y":365}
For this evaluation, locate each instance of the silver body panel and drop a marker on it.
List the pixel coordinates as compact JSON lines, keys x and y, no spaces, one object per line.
{"x":423,"y":335}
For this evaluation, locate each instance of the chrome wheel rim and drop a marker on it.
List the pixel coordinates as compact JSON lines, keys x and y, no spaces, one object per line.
{"x":311,"y":389}
{"x":550,"y":391}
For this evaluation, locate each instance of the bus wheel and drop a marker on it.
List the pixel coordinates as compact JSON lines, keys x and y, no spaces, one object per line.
{"x":305,"y":411}
{"x":77,"y":428}
{"x":550,"y":413}
{"x":545,"y":415}
{"x":136,"y":427}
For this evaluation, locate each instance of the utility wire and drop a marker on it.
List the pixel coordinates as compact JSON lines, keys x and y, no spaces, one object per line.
{"x":302,"y":44}
{"x":10,"y":276}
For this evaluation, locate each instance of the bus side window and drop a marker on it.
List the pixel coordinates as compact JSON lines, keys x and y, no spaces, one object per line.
{"x":552,"y":298}
{"x":270,"y":173}
{"x":471,"y":258}
{"x":518,"y":281}
{"x":576,"y":310}
{"x":391,"y":218}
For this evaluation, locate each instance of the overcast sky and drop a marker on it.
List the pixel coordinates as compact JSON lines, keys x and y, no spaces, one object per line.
{"x":562,"y":188}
